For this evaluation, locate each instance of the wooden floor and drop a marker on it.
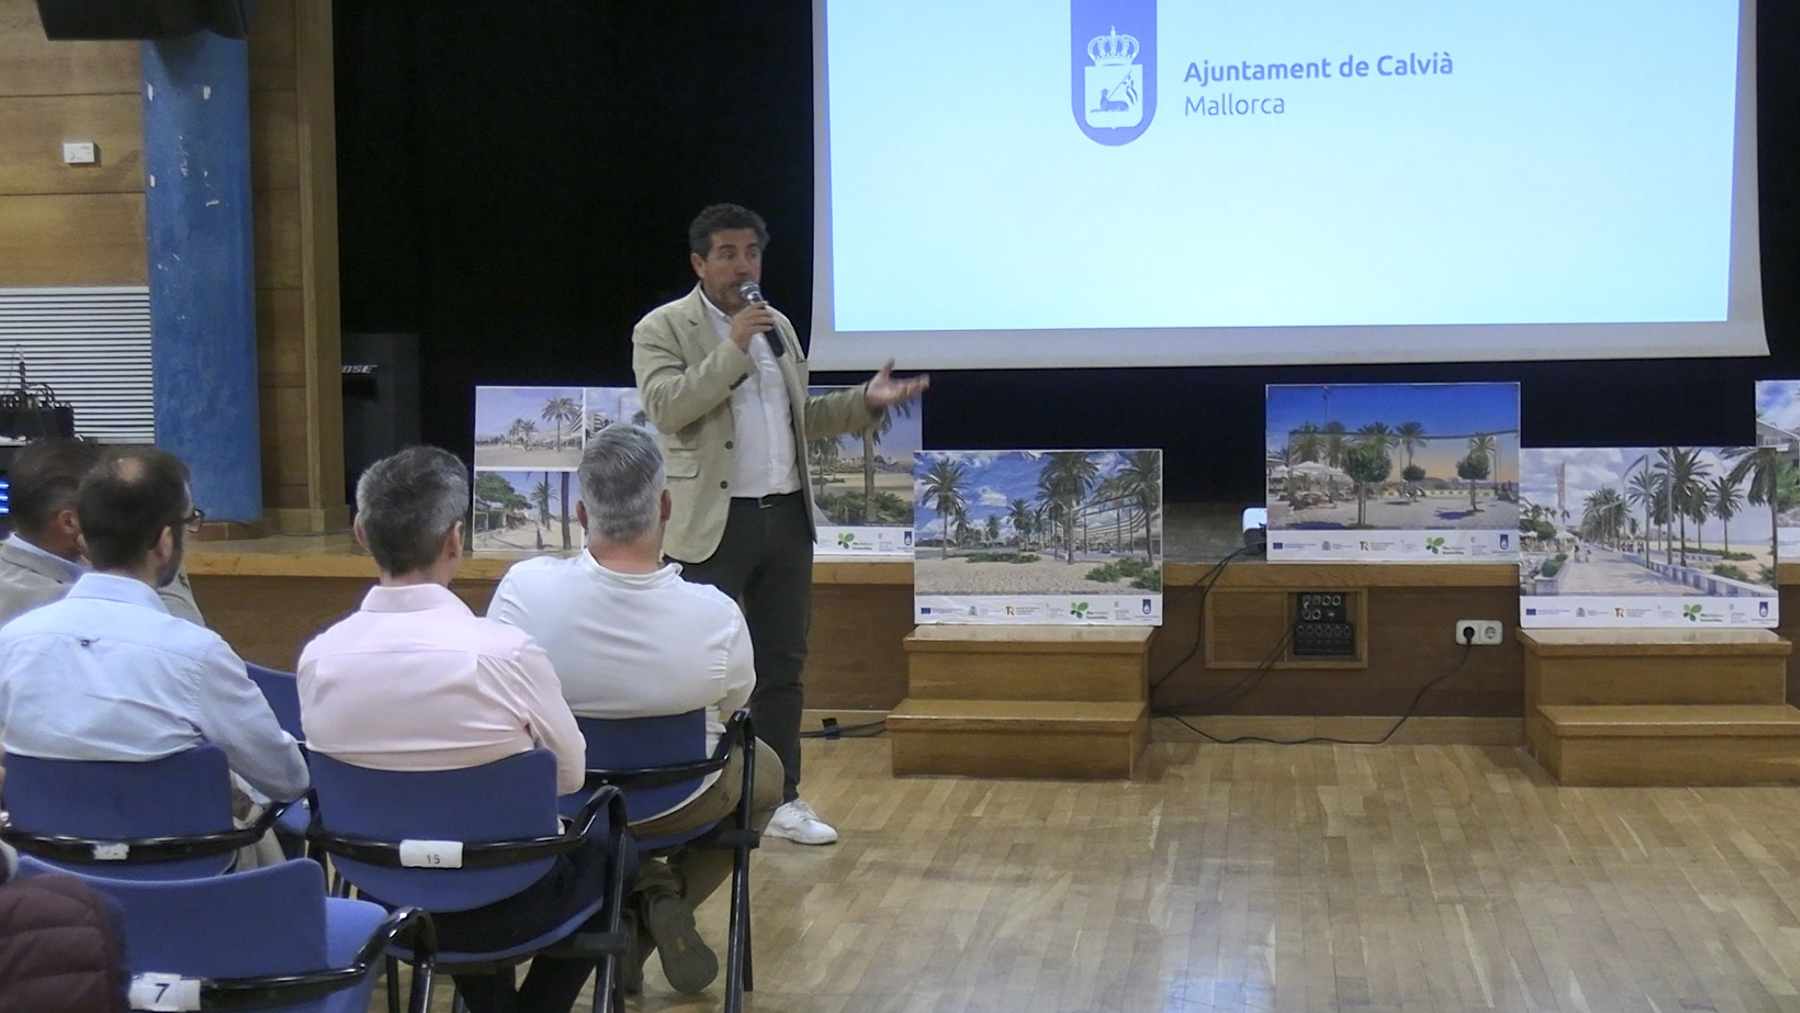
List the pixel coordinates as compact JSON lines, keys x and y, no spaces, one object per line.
{"x":1268,"y":877}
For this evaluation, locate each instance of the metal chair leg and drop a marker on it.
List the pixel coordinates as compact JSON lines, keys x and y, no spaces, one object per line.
{"x":393,"y":985}
{"x":606,"y":971}
{"x":736,"y":974}
{"x":749,"y":947}
{"x":421,"y":987}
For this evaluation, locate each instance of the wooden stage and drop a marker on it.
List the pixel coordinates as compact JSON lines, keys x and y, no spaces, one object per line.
{"x":268,"y":596}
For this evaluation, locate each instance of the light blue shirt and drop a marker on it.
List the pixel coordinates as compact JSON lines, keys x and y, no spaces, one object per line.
{"x":108,"y":674}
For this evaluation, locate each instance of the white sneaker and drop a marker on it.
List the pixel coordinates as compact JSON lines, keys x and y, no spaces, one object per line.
{"x":797,"y":822}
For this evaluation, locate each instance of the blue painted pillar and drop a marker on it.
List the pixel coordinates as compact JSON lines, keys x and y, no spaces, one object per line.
{"x":202,"y":277}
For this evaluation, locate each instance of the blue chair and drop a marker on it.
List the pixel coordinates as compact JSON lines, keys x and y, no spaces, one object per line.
{"x":263,"y":939}
{"x":652,"y":761}
{"x":282,"y":691}
{"x":456,"y":840}
{"x":157,"y":819}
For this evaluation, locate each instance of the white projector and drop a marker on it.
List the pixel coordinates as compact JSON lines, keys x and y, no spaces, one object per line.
{"x":1256,"y":529}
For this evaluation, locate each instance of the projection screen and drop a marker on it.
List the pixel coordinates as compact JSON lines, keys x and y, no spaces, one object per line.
{"x":1131,"y":183}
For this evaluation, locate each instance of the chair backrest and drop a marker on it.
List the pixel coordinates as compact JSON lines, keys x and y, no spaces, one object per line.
{"x":267,"y":921}
{"x":282,"y":691}
{"x":183,"y":795}
{"x":507,"y":800}
{"x":642,"y":743}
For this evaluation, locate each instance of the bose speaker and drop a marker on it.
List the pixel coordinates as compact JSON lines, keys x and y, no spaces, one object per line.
{"x":142,"y":19}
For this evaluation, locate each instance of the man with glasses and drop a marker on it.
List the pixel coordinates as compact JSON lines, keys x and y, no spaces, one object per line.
{"x":108,"y":674}
{"x":42,"y":558}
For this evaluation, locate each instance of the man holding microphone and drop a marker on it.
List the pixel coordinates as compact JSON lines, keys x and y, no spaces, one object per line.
{"x":723,"y":378}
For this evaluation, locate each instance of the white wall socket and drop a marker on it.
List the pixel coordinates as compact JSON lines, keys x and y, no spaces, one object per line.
{"x":79,"y":153}
{"x":1488,"y":632}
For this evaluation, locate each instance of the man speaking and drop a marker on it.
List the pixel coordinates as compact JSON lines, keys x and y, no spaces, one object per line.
{"x":724,"y":379}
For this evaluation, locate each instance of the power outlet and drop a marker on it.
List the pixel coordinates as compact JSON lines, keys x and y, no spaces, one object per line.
{"x":1486,"y":632}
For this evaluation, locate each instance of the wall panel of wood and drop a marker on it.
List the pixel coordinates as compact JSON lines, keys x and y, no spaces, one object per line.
{"x":64,"y":224}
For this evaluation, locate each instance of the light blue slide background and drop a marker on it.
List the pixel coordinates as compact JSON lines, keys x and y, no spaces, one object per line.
{"x":1575,"y":168}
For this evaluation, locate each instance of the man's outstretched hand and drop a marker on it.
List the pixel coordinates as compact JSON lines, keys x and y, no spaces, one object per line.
{"x":883,"y":391}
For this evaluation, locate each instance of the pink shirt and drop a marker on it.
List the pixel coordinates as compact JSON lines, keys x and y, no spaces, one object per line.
{"x":415,"y":681}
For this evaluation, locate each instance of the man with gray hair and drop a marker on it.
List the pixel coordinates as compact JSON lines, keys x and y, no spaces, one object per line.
{"x":415,"y":681}
{"x":631,"y":639}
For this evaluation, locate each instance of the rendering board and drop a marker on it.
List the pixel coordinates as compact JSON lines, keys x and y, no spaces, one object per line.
{"x":1778,"y":428}
{"x":863,"y":485}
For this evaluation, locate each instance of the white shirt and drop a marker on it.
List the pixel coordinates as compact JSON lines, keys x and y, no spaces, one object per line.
{"x":633,"y":645}
{"x":763,"y":461}
{"x":106,"y":673}
{"x":416,"y":681}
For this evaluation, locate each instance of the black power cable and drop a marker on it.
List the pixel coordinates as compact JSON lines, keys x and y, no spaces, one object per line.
{"x":1411,"y":708}
{"x":833,"y":730}
{"x":1206,"y":583}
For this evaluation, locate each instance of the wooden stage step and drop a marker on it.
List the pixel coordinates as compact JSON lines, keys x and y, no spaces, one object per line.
{"x":1660,"y":707}
{"x":1019,"y":738}
{"x":1670,"y":744}
{"x":1662,"y":720}
{"x":1028,"y":663}
{"x":1655,"y":667}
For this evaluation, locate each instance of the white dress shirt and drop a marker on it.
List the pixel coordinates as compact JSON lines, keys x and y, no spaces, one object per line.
{"x":633,"y":645}
{"x":763,"y":461}
{"x":416,"y":681}
{"x":106,"y":673}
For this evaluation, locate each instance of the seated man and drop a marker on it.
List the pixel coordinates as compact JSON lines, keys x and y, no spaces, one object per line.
{"x":60,"y":945}
{"x":106,"y":673}
{"x":41,"y":560}
{"x":630,"y":638}
{"x":415,"y":681}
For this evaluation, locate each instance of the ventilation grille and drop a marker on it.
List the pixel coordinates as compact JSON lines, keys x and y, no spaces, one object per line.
{"x":92,"y":346}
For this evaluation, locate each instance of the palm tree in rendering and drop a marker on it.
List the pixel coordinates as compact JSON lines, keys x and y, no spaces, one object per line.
{"x":943,"y":493}
{"x":1774,"y":482}
{"x":1477,"y":465}
{"x":540,"y":498}
{"x":870,"y":438}
{"x":1726,"y":499}
{"x":1412,"y":437}
{"x":1685,"y":475}
{"x":1067,"y":476}
{"x":1641,"y":491}
{"x":1140,"y":479}
{"x":1018,"y":513}
{"x":992,"y":529}
{"x":1307,"y":442}
{"x":1377,"y":434}
{"x":560,"y":410}
{"x":1333,"y":436}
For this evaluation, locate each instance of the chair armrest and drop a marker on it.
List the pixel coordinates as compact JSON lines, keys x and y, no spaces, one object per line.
{"x":297,"y":989}
{"x":607,"y":797}
{"x":76,"y":850}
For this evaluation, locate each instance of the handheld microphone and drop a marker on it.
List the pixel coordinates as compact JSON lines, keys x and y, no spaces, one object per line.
{"x":751,"y":293}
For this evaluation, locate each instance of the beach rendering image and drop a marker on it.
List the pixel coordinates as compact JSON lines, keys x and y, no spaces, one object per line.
{"x":1415,"y":457}
{"x":1037,"y":522}
{"x":525,"y":511}
{"x":1692,"y":522}
{"x":866,"y":479}
{"x":528,"y":427}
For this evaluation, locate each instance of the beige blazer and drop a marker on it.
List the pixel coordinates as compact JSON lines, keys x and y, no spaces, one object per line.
{"x":27,"y":582}
{"x":685,"y":375}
